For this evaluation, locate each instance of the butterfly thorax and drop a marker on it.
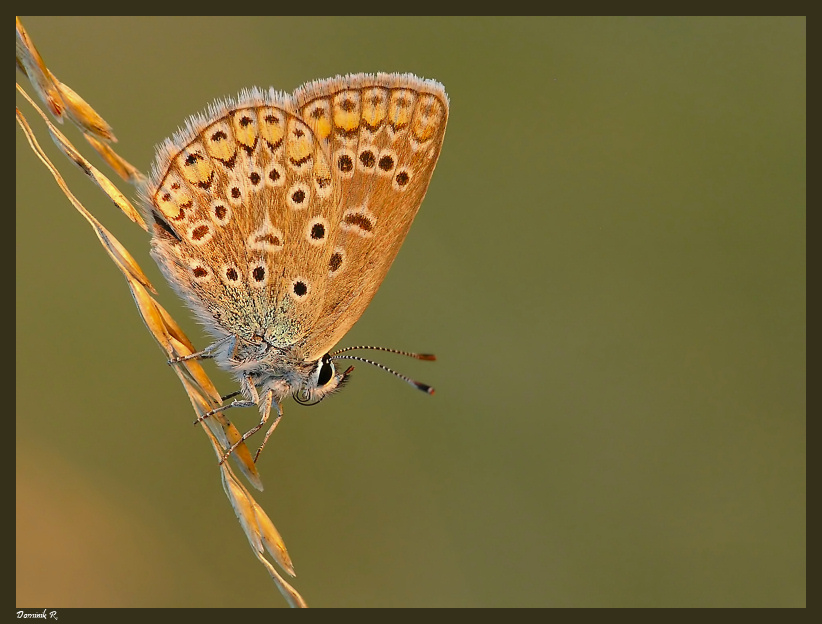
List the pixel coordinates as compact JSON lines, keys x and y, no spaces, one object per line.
{"x":283,"y":370}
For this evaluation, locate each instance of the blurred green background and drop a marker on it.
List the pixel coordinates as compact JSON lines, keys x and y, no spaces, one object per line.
{"x":610,"y":265}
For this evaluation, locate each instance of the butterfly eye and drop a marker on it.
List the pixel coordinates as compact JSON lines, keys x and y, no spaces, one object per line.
{"x":316,"y":390}
{"x":326,"y":372}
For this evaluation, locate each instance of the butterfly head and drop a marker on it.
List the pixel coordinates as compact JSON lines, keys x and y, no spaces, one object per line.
{"x":323,"y":380}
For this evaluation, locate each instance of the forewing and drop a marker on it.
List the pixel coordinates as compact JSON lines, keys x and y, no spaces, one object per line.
{"x":382,"y":135}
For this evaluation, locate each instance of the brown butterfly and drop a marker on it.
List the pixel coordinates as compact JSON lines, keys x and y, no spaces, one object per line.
{"x":276,"y":217}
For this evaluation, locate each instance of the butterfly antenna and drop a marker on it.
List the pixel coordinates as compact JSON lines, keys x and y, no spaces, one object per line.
{"x":420,"y":386}
{"x":416,"y":356}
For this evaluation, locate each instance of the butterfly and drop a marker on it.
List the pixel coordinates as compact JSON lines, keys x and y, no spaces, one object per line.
{"x":276,"y":217}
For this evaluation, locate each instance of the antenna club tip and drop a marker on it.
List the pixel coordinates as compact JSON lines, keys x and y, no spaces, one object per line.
{"x":427,"y":356}
{"x":424,"y":387}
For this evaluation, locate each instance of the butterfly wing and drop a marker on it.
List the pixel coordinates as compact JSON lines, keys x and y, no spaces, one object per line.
{"x":382,"y":135}
{"x":278,"y":216}
{"x":241,"y":201}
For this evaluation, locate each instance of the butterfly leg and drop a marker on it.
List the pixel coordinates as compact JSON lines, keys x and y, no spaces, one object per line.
{"x":255,"y":400}
{"x":265,"y":411}
{"x":206,"y":353}
{"x":270,"y":430}
{"x":200,"y":355}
